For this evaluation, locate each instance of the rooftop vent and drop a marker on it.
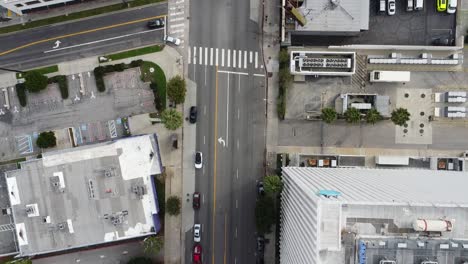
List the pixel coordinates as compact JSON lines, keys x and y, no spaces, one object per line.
{"x":32,"y":210}
{"x":138,"y":190}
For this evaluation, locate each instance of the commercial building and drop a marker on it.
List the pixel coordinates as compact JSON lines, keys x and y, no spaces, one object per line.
{"x":351,"y":215}
{"x":86,"y":196}
{"x":18,"y":6}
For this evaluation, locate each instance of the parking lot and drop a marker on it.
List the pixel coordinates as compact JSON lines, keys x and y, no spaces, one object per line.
{"x":403,"y":28}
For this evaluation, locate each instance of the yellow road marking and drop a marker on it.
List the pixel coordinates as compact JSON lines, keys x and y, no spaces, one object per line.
{"x":79,"y":33}
{"x":225,"y":235}
{"x":214,"y":166}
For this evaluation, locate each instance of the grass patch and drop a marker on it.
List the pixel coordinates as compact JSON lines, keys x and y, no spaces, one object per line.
{"x":158,"y":82}
{"x":135,"y":52}
{"x":75,"y":16}
{"x":12,"y":161}
{"x":43,"y":71}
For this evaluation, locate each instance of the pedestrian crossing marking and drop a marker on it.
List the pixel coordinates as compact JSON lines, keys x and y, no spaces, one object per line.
{"x":211,"y":56}
{"x":217,"y":57}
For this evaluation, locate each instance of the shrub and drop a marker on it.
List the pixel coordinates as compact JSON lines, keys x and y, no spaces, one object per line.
{"x":285,"y":78}
{"x":21,"y":93}
{"x":142,"y":260}
{"x":273,"y":184}
{"x":35,"y":81}
{"x":264,"y":214}
{"x":373,"y":116}
{"x":61,"y":80}
{"x":136,"y":63}
{"x":352,"y":115}
{"x":173,"y":205}
{"x":400,"y":116}
{"x":46,"y":140}
{"x":176,"y":89}
{"x":281,"y":107}
{"x":283,"y":58}
{"x":157,"y":99}
{"x":329,"y":115}
{"x":119,"y":67}
{"x":99,"y":77}
{"x":171,"y":119}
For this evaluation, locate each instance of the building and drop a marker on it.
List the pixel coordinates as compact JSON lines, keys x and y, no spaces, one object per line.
{"x":318,"y":63}
{"x":363,"y":102}
{"x":86,"y":196}
{"x":351,"y":215}
{"x":18,"y":6}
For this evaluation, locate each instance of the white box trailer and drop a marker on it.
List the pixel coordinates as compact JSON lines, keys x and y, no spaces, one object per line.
{"x":392,"y":160}
{"x":390,"y":76}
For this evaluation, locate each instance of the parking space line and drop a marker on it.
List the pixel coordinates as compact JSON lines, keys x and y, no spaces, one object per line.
{"x":200,"y":56}
{"x":211,"y":56}
{"x":234,"y":58}
{"x":216,"y":61}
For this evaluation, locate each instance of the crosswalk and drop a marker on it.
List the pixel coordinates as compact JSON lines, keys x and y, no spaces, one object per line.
{"x":176,"y":20}
{"x":240,"y":59}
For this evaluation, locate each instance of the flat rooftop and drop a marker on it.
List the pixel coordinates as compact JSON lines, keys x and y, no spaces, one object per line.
{"x":86,"y":195}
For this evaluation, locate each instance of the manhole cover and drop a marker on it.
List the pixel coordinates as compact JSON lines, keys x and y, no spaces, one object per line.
{"x":421,"y":131}
{"x":405,"y":130}
{"x":406,"y":95}
{"x":422,"y":113}
{"x":421,"y":125}
{"x":423,"y":95}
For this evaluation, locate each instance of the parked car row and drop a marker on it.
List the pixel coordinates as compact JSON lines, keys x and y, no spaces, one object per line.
{"x":159,"y":23}
{"x":389,"y":6}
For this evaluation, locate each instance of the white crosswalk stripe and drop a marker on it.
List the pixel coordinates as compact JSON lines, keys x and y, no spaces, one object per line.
{"x":176,"y":20}
{"x":189,"y":56}
{"x":240,"y":59}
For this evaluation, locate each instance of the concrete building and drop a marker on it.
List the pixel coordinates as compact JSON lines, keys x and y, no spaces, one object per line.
{"x":86,"y":196}
{"x":18,"y":6}
{"x":351,"y":215}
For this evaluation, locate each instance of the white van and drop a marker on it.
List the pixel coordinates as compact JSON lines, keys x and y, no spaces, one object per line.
{"x":452,"y":6}
{"x":382,"y":5}
{"x":409,"y":6}
{"x":418,"y":4}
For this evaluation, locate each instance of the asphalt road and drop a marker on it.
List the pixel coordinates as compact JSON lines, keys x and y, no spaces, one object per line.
{"x":232,"y":109}
{"x":80,"y":39}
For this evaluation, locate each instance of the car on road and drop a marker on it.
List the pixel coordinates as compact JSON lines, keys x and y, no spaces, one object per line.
{"x":172,"y":40}
{"x":158,"y":23}
{"x":452,"y":6}
{"x":441,"y":5}
{"x":197,"y":232}
{"x":193,"y":114}
{"x":197,"y":254}
{"x":391,"y":7}
{"x":198,"y":160}
{"x":196,"y":200}
{"x":260,"y":246}
{"x":260,"y":188}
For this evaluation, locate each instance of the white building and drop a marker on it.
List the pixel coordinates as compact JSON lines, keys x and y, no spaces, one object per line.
{"x":18,"y":6}
{"x":329,"y":215}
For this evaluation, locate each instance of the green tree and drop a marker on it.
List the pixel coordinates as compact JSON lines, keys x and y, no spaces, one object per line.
{"x":273,"y":184}
{"x":328,"y":115}
{"x":284,"y":77}
{"x":35,"y":81}
{"x":46,"y":140}
{"x":352,"y":115}
{"x":19,"y":261}
{"x":153,"y":244}
{"x":176,"y":89}
{"x":140,"y":260}
{"x":373,"y":116}
{"x":283,"y":58}
{"x":171,"y":119}
{"x":173,"y":205}
{"x":265,"y":214}
{"x":400,"y":116}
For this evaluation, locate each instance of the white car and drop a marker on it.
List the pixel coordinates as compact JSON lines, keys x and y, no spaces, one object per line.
{"x":172,"y":40}
{"x":391,"y":7}
{"x":197,"y":232}
{"x":198,"y":160}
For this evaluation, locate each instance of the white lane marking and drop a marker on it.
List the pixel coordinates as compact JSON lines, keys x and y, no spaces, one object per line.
{"x":177,"y":25}
{"x":206,"y":56}
{"x":237,"y":143}
{"x":237,"y":173}
{"x":211,"y":56}
{"x":189,"y":55}
{"x":176,"y":13}
{"x":200,"y":56}
{"x":237,"y":204}
{"x":177,"y":31}
{"x":235,"y":260}
{"x":236,"y":227}
{"x":102,"y":40}
{"x":204,"y":140}
{"x":228,"y":58}
{"x":194,"y":56}
{"x":256,"y":60}
{"x":250,"y":57}
{"x":232,"y":72}
{"x":227,"y":114}
{"x":216,"y":61}
{"x":258,"y":75}
{"x":172,"y":19}
{"x":203,"y":198}
{"x":234,"y":58}
{"x":245,"y":59}
{"x":204,"y":110}
{"x":238,"y":114}
{"x":240,"y":59}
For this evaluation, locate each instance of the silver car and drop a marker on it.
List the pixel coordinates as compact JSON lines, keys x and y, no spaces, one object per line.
{"x":197,"y":232}
{"x":172,"y":40}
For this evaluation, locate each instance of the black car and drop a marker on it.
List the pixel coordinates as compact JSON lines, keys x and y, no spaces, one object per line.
{"x":158,"y":23}
{"x":260,"y":245}
{"x":193,"y":114}
{"x":260,"y":188}
{"x":444,"y":41}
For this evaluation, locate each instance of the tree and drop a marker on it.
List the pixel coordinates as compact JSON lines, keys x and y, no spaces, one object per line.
{"x":176,"y":89}
{"x":328,"y":115}
{"x":140,"y":260}
{"x":171,"y":119}
{"x":264,"y":214}
{"x":283,"y":58}
{"x":153,"y":244}
{"x":35,"y":81}
{"x":284,"y":77}
{"x":352,"y":115}
{"x":19,"y":261}
{"x":373,"y":116}
{"x":173,"y":205}
{"x":46,"y":140}
{"x":400,"y":116}
{"x":273,"y":184}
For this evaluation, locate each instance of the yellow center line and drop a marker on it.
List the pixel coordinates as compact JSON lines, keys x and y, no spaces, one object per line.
{"x":214,"y":167}
{"x":79,"y":33}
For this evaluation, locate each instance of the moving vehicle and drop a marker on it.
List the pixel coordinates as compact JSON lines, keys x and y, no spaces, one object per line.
{"x":391,"y":7}
{"x":418,"y":5}
{"x":382,"y":5}
{"x":441,"y":5}
{"x":260,"y":188}
{"x":158,"y":23}
{"x":197,"y":232}
{"x":193,"y":114}
{"x":197,"y":254}
{"x":390,"y":76}
{"x":452,"y":6}
{"x":172,"y":40}
{"x":410,"y":5}
{"x":196,"y":200}
{"x":198,"y":160}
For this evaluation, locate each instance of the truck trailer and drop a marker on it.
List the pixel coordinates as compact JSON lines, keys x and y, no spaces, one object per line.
{"x":390,"y":76}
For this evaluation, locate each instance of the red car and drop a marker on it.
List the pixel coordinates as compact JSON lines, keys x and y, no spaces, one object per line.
{"x":197,"y":257}
{"x":196,"y":200}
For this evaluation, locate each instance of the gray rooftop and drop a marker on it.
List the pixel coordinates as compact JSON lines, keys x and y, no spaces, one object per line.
{"x":85,"y":196}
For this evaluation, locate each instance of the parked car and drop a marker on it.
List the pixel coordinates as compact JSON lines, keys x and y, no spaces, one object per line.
{"x":158,"y":23}
{"x":452,"y":6}
{"x":193,"y":114}
{"x":172,"y":40}
{"x":197,"y":232}
{"x":196,"y":200}
{"x":260,"y":188}
{"x":197,"y":254}
{"x":260,"y":245}
{"x":410,"y":5}
{"x":441,"y":5}
{"x":391,"y":7}
{"x":443,"y":41}
{"x":198,"y":160}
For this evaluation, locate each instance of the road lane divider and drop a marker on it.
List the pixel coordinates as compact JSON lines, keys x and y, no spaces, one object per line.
{"x":214,"y":169}
{"x":79,"y":33}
